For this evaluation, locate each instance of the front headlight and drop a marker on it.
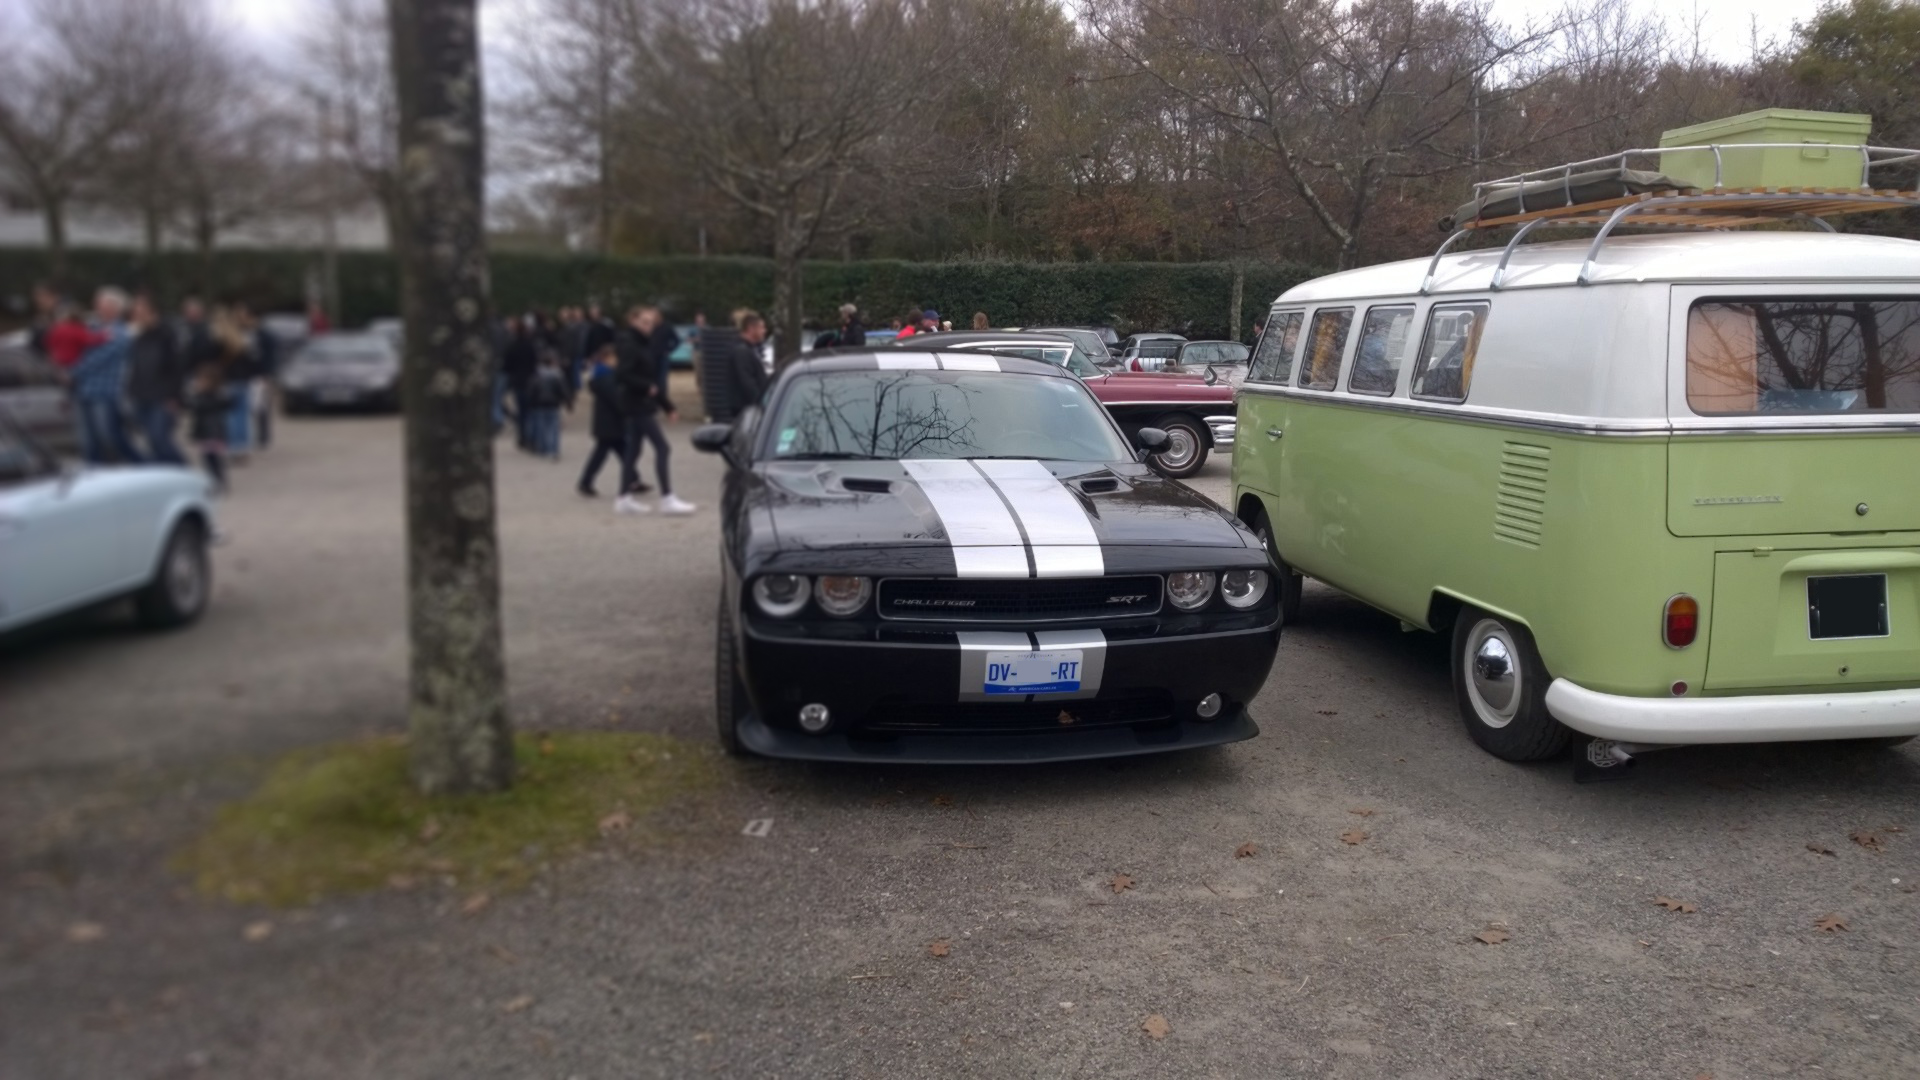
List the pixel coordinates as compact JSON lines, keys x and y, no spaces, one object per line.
{"x":1243,"y":588}
{"x":1190,"y":589}
{"x":780,"y":595}
{"x":842,"y":596}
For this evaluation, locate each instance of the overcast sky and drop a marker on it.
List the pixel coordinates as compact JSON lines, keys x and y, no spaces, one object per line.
{"x":1727,"y":25}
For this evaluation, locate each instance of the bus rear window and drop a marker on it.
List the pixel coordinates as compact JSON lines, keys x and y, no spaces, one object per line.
{"x":1823,"y":355}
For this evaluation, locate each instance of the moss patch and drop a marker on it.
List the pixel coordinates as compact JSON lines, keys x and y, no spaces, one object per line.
{"x":345,"y":818}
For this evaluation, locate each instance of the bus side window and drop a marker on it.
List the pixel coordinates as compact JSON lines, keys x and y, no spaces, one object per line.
{"x":1326,"y":345}
{"x":1273,"y":358}
{"x":1444,"y":369}
{"x":1383,"y":342}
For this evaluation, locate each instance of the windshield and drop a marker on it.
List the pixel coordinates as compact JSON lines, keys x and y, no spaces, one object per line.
{"x":1804,"y":356}
{"x":348,"y":352}
{"x":1217,"y":353}
{"x":888,"y":415}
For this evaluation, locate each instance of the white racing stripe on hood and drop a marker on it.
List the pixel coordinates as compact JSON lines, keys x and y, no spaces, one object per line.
{"x":1058,"y":529}
{"x":905,"y":363}
{"x":985,"y":539}
{"x":968,"y":363}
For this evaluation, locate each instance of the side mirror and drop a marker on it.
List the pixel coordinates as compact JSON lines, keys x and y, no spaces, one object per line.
{"x":712,"y":438}
{"x":1211,"y":376}
{"x":1152,"y":439}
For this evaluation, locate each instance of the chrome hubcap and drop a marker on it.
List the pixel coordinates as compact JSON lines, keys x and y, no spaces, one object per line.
{"x":1180,"y":449}
{"x":183,"y":577}
{"x":1493,"y":673}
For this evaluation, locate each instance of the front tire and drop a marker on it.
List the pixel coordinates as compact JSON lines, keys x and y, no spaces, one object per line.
{"x":182,"y":581}
{"x":1500,"y":686}
{"x":1290,"y":583}
{"x":729,"y":695}
{"x":1188,"y":449}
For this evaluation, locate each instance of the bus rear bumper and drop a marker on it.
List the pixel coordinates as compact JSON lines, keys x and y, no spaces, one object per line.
{"x":1751,"y":718}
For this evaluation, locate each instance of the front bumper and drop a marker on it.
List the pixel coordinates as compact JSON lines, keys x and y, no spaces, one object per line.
{"x":1743,"y":719}
{"x":911,"y":695}
{"x":1222,"y":428}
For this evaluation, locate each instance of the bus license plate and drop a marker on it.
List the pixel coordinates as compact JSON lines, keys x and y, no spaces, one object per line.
{"x":1847,"y":606}
{"x":1048,"y":672}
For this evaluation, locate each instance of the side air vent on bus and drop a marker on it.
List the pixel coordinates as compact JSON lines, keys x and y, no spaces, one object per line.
{"x":1520,"y":505}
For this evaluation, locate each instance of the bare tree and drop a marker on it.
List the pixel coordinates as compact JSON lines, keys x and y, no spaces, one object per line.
{"x":462,"y":737}
{"x":571,"y":76}
{"x":75,"y":88}
{"x":777,"y":104}
{"x":350,"y":80}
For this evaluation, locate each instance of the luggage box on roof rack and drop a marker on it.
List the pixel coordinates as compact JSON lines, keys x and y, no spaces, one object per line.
{"x":1803,"y":150}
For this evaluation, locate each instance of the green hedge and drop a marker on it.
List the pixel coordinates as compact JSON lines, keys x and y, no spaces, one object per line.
{"x":1129,"y":296}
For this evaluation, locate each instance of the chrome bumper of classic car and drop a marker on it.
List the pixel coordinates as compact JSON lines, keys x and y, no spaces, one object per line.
{"x":1222,"y":428}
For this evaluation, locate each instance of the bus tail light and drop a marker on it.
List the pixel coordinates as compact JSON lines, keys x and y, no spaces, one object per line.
{"x":1682,"y":622}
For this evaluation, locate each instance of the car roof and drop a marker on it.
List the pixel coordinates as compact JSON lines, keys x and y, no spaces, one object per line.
{"x":975,"y":337}
{"x":821,"y":361}
{"x":350,"y":339}
{"x":1666,"y":257}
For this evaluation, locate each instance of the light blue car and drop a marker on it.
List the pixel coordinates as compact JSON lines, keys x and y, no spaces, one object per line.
{"x":71,"y":536}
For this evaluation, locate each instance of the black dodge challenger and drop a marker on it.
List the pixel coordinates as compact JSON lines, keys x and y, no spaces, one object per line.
{"x":957,"y":557}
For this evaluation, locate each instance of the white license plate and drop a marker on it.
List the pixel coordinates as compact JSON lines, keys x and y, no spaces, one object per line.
{"x":1049,"y":672}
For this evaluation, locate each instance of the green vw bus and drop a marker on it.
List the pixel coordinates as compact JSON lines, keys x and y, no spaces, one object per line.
{"x":1660,"y":489}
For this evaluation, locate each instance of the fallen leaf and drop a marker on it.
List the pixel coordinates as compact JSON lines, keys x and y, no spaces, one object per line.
{"x":1353,"y":836}
{"x":1830,"y":922}
{"x":939,"y":948}
{"x":258,"y":931}
{"x":81,"y":933}
{"x":1866,"y":840}
{"x":1156,"y":1026}
{"x":1493,"y":935}
{"x":1681,"y":906}
{"x":943,"y":800}
{"x":1246,"y":851}
{"x":475,"y":904}
{"x":703,"y":1037}
{"x":518,"y":1004}
{"x":1120,"y":883}
{"x":1362,"y":811}
{"x":430,"y":830}
{"x":1892,"y":828}
{"x":1818,"y":850}
{"x":1067,"y":717}
{"x":618,"y":821}
{"x":1645,"y":942}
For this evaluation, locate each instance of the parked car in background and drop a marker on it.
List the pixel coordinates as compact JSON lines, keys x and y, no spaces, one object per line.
{"x":344,"y":369}
{"x":1227,"y":360}
{"x":1095,"y":346}
{"x":33,"y":396}
{"x":290,"y":330}
{"x":682,"y":355}
{"x":1149,"y":352}
{"x":72,"y":536}
{"x":394,"y":329}
{"x":1197,"y":418}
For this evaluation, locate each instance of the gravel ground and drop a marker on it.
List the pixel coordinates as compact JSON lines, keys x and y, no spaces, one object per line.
{"x":807,"y":952}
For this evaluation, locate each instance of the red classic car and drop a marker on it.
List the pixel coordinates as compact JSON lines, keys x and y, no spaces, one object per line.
{"x":1196,"y":415}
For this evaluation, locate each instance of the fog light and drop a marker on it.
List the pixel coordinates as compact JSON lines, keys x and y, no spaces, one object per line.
{"x":1209,"y":707}
{"x":813,"y":718}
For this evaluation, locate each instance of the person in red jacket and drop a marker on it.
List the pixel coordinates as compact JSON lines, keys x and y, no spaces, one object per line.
{"x":69,"y":337}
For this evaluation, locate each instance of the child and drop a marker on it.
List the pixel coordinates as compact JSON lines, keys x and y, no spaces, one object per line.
{"x":211,"y":404}
{"x":545,"y":393}
{"x":609,"y":424}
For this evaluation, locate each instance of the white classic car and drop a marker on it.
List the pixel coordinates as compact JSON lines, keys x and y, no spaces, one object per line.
{"x":73,"y":536}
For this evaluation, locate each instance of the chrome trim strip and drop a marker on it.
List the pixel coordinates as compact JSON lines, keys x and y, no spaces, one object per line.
{"x":944,"y":615}
{"x":1640,"y":429}
{"x":1093,"y":659}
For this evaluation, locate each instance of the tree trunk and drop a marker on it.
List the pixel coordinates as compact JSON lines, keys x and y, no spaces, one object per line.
{"x":55,"y":211}
{"x":787,"y":301}
{"x":461,"y":736}
{"x":1233,"y":308}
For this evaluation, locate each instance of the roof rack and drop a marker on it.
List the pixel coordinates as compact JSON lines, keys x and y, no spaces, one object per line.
{"x":1605,"y":191}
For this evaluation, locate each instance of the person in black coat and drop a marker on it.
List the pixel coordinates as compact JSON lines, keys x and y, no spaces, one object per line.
{"x":642,"y":381}
{"x":156,"y":381}
{"x":853,"y":334}
{"x":522,"y":357}
{"x":747,"y":376}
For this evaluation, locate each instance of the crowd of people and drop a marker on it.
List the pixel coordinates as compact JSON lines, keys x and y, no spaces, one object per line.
{"x":138,"y":377}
